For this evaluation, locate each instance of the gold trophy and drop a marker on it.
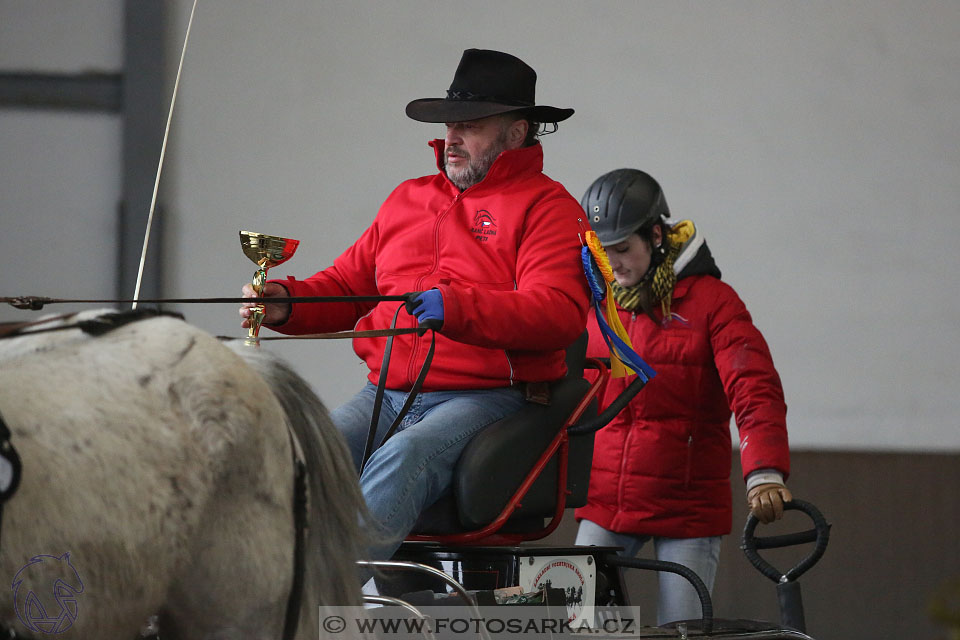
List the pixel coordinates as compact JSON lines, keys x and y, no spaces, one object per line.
{"x":266,"y":251}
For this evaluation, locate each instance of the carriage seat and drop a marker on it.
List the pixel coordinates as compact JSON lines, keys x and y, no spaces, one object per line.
{"x":496,"y":461}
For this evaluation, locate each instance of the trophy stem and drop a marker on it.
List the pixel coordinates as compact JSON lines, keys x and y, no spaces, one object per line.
{"x":258,"y":311}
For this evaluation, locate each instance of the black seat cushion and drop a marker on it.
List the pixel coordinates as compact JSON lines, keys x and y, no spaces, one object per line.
{"x":495,"y":462}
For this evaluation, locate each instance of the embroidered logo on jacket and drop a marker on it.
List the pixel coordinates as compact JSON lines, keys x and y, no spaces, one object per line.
{"x":484,"y":226}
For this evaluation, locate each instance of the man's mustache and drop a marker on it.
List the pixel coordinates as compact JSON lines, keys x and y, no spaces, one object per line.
{"x":456,"y":150}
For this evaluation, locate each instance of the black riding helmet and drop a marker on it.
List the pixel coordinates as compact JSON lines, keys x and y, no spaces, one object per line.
{"x":621,"y":202}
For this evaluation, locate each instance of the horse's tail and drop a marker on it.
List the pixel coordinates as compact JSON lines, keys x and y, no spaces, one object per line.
{"x":335,"y":505}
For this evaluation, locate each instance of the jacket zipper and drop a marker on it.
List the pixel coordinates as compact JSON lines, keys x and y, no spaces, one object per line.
{"x":686,"y":473}
{"x":412,"y":370}
{"x":626,"y":443}
{"x":623,"y":467}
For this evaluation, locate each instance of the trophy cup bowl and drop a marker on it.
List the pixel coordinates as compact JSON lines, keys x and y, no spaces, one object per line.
{"x":265,"y":251}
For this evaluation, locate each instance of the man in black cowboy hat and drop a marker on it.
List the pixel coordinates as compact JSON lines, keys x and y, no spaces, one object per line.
{"x":490,"y":90}
{"x":491,"y":247}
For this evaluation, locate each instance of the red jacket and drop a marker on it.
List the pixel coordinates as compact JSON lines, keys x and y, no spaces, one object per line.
{"x":662,"y":467}
{"x":505,"y":253}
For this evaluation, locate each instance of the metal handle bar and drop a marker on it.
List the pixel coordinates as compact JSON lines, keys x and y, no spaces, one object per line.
{"x":706,"y":603}
{"x":403,"y":565}
{"x":616,"y":406}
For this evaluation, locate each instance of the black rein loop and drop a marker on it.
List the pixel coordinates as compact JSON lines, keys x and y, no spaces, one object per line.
{"x":382,"y":383}
{"x":820,"y":535}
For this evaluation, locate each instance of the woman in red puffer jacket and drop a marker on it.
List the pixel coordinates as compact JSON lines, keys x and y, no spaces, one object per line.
{"x":661,"y":468}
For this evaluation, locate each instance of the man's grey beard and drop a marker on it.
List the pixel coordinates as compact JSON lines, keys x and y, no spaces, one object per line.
{"x":476,"y":170}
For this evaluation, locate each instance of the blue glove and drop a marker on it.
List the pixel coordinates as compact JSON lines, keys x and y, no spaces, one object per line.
{"x":427,"y":306}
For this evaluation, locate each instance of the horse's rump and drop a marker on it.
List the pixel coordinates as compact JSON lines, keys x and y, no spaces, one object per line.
{"x":162,"y":464}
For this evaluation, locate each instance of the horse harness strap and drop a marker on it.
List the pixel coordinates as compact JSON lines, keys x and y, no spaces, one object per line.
{"x":14,"y":329}
{"x":93,"y":326}
{"x":10,"y":469}
{"x":294,"y":601}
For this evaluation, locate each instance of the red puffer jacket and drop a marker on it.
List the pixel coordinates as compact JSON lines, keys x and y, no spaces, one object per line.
{"x":662,"y":467}
{"x":505,"y":253}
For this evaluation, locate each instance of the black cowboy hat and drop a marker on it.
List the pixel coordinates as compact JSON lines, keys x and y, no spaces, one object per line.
{"x":487,"y":83}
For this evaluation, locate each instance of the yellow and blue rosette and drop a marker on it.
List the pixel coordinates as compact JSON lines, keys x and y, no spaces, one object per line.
{"x":596,"y":267}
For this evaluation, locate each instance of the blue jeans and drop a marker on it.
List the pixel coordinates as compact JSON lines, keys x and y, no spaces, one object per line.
{"x":415,"y":466}
{"x":678,"y":599}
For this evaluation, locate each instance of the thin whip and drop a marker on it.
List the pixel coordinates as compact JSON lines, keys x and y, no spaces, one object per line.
{"x":163,"y":151}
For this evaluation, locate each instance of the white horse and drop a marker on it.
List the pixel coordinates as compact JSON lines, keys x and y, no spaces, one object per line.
{"x":158,"y":479}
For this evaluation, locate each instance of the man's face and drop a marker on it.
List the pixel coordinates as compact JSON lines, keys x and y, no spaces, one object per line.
{"x":471,"y":147}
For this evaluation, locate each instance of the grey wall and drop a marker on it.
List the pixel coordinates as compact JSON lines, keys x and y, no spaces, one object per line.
{"x":815,"y":143}
{"x":59,"y":171}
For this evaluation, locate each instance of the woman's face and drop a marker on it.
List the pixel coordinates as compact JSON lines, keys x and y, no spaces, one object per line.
{"x":630,"y":259}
